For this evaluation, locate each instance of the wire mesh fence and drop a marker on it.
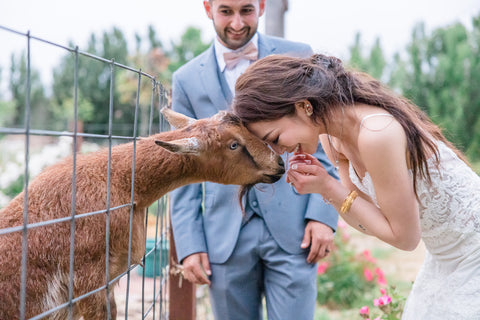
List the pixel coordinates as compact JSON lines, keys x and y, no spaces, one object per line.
{"x":140,"y":290}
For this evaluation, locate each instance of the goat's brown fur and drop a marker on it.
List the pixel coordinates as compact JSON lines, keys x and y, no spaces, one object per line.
{"x":157,"y":171}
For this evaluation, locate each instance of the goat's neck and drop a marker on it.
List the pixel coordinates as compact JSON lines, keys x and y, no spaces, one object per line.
{"x":158,"y":171}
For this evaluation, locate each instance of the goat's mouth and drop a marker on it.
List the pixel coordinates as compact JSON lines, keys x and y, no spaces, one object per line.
{"x":271,"y":178}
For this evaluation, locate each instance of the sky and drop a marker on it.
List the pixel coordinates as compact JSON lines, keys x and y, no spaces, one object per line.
{"x":328,"y":26}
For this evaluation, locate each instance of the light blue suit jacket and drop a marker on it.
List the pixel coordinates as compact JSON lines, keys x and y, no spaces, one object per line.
{"x":214,"y":226}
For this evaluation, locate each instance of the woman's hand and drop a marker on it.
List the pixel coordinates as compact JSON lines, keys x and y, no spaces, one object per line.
{"x":306,"y":173}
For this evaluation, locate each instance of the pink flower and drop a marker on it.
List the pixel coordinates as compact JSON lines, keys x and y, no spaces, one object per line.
{"x":383,"y":291}
{"x":342,"y":224}
{"x":380,"y":277}
{"x":379,"y":272}
{"x":368,"y":256}
{"x":367,"y":274}
{"x":383,"y":300}
{"x":364,"y":310}
{"x":322,"y":267}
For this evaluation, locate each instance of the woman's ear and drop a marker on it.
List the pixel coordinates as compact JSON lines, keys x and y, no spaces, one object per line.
{"x":304,"y":106}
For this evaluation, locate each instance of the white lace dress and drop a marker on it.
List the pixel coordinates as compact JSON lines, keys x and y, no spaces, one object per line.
{"x":448,"y":284}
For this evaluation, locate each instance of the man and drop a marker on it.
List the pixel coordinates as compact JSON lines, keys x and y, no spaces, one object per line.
{"x":271,"y":251}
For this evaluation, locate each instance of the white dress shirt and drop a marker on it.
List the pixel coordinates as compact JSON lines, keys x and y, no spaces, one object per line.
{"x":231,"y":75}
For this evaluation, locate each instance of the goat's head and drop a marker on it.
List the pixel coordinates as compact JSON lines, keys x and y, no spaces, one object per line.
{"x":227,"y":151}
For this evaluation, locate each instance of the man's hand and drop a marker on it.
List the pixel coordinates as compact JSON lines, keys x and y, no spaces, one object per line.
{"x":196,"y":268}
{"x":320,"y":238}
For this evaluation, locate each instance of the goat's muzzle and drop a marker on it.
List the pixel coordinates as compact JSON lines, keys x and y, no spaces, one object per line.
{"x":271,"y":178}
{"x":277,"y":175}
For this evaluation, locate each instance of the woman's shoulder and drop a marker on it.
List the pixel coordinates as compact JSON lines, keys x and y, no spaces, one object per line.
{"x":380,"y":134}
{"x":376,"y":121}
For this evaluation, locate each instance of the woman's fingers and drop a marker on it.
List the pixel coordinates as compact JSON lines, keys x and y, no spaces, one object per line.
{"x":303,"y":168}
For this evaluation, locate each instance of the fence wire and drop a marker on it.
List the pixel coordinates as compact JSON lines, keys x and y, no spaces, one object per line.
{"x":140,"y":292}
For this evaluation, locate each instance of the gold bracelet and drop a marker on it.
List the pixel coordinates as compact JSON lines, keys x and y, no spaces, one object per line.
{"x":347,"y":203}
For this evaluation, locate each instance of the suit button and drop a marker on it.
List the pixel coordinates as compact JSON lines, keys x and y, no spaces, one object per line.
{"x":255,"y":203}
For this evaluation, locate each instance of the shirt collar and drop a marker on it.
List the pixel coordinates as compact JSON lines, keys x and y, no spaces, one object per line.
{"x":220,"y":49}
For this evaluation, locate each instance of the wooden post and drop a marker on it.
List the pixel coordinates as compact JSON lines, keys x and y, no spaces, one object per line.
{"x":275,"y":17}
{"x":182,"y":300}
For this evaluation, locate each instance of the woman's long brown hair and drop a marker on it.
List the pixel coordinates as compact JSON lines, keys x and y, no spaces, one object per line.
{"x":270,"y":87}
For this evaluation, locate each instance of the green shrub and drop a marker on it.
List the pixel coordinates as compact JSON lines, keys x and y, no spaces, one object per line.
{"x":347,"y":278}
{"x":14,"y":188}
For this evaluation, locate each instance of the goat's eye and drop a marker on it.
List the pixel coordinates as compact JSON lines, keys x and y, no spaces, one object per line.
{"x":234,"y":145}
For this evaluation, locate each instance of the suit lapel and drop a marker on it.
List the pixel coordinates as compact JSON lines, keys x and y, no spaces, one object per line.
{"x":209,"y":72}
{"x":210,"y":81}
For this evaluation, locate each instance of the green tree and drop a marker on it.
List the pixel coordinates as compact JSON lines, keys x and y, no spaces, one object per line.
{"x":7,"y":109}
{"x":416,"y":86}
{"x":441,"y":74}
{"x":153,"y":61}
{"x":19,"y":90}
{"x":447,"y":57}
{"x":190,"y":46}
{"x":473,"y":96}
{"x":399,"y":76}
{"x":153,"y":39}
{"x":357,"y":60}
{"x":376,"y":60}
{"x":374,"y":63}
{"x":94,"y":84}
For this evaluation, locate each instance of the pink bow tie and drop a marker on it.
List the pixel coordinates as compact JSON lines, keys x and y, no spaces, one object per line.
{"x":249,"y":52}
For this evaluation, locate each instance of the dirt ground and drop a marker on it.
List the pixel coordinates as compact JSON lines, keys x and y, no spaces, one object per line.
{"x":142,"y":290}
{"x":135,"y":297}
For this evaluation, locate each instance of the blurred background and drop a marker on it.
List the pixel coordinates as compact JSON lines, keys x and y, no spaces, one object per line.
{"x":427,"y":51}
{"x":329,"y":26}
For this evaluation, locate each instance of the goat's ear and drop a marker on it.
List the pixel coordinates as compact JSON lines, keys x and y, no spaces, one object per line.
{"x":181,"y":146}
{"x":176,"y":120}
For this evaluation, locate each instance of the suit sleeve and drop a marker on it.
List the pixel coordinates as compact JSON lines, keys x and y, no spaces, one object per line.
{"x":317,"y":209}
{"x":186,"y":202}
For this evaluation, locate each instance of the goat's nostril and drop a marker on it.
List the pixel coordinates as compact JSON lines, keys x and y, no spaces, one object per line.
{"x":280,"y":162}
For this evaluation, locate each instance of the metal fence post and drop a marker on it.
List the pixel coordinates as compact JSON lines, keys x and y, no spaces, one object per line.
{"x":153,"y":306}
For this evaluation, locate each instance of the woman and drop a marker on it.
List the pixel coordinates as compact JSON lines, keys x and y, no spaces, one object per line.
{"x":401,"y":180}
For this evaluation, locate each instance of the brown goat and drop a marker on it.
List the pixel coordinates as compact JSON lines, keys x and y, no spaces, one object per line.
{"x":217,"y":149}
